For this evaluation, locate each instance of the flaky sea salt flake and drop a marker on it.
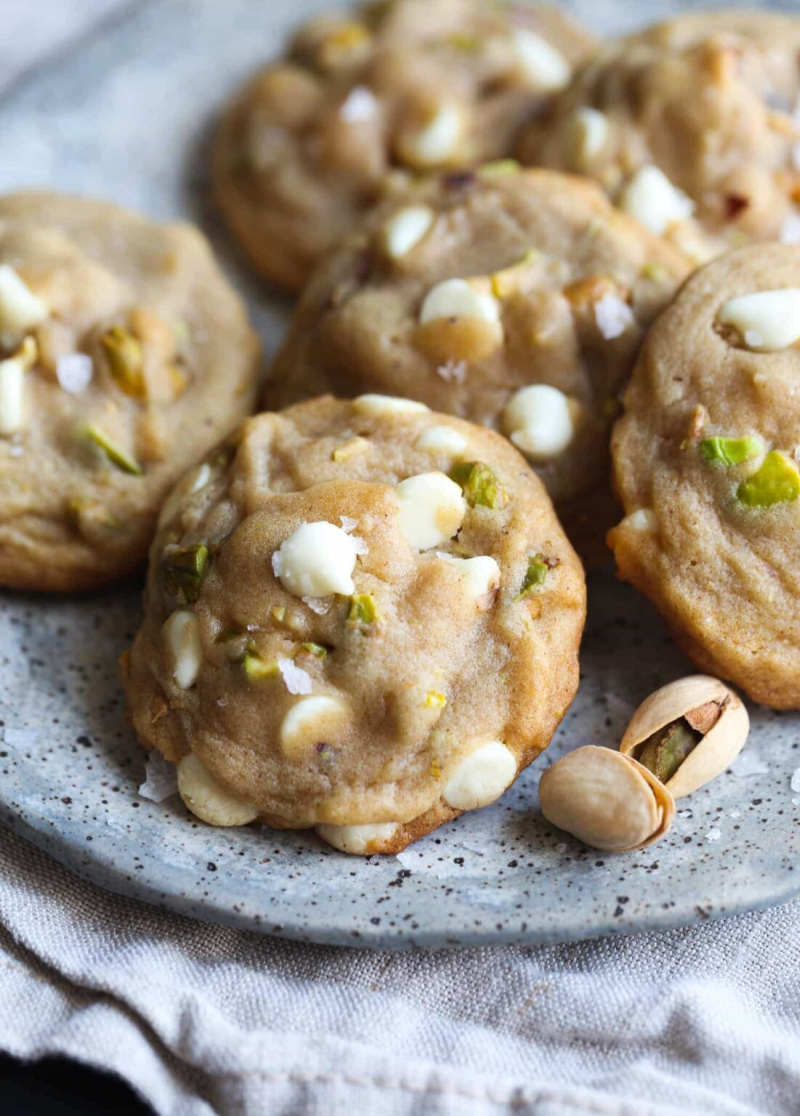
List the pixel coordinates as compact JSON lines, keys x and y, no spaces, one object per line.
{"x":297,"y":680}
{"x":613,"y":316}
{"x":160,"y":779}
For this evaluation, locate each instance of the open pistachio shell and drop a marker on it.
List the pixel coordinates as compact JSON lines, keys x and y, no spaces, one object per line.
{"x":606,"y":799}
{"x":712,"y":709}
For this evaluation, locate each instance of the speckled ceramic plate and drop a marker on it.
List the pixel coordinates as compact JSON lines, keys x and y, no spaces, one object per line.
{"x":125,"y":114}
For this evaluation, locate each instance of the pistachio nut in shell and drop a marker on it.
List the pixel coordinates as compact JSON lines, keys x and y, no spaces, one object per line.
{"x":699,"y":720}
{"x":606,"y":799}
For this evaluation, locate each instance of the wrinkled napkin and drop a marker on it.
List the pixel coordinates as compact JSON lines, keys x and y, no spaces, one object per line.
{"x":202,"y":1019}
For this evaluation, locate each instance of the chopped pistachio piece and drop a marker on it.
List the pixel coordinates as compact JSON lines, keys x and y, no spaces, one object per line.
{"x":500,"y":168}
{"x":664,"y":751}
{"x":315,"y":649}
{"x":731,"y":451}
{"x":183,"y":571}
{"x":479,"y":484}
{"x":776,"y":481}
{"x":362,"y":609}
{"x":435,"y":700}
{"x":256,"y":668}
{"x":278,"y":614}
{"x":115,"y":454}
{"x":124,"y":354}
{"x":535,"y":576}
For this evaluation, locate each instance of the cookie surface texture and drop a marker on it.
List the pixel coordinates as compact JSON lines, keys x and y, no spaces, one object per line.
{"x":705,"y":463}
{"x":691,"y":126}
{"x":364,"y":101}
{"x":124,"y":356}
{"x":367,"y":621}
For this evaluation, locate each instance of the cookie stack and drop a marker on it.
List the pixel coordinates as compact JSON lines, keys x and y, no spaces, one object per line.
{"x":513,"y":249}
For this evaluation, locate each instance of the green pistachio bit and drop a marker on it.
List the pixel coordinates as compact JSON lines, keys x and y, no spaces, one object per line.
{"x":731,"y":451}
{"x":479,"y":485}
{"x":500,"y":168}
{"x":315,"y":649}
{"x":124,"y":354}
{"x":467,"y":44}
{"x":535,"y":576}
{"x":664,"y":751}
{"x":114,"y":453}
{"x":256,"y":668}
{"x":776,"y":481}
{"x":362,"y":609}
{"x":654,"y":272}
{"x":183,"y":571}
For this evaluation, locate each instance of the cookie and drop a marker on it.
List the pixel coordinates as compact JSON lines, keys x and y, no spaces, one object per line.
{"x":363,"y":101}
{"x":361,"y":617}
{"x":691,"y":126}
{"x":124,"y":356}
{"x":515,"y":299}
{"x":705,"y":462}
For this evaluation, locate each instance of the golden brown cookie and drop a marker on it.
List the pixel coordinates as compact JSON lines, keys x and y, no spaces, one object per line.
{"x":124,"y":356}
{"x":363,"y":101}
{"x":705,"y":461}
{"x":516,"y":299}
{"x":691,"y":126}
{"x":362,"y":617}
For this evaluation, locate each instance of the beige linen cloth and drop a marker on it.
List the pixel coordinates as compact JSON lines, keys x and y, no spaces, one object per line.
{"x":201,"y":1019}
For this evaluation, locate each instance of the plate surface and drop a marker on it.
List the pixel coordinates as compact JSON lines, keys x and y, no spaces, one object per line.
{"x":127,"y":116}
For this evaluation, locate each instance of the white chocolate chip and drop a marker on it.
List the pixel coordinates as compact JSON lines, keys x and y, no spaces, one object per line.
{"x":613,"y":316}
{"x":12,"y":396}
{"x":442,"y":439}
{"x":437,"y":141}
{"x":382,"y":405}
{"x":481,"y":778}
{"x":360,"y":105}
{"x":317,"y":560}
{"x":767,"y":321}
{"x":431,"y":509}
{"x":308,"y":722}
{"x":455,"y":298}
{"x":195,"y":481}
{"x":207,"y":800}
{"x":20,"y":308}
{"x":74,"y":372}
{"x":586,"y":132}
{"x":538,"y":420}
{"x":181,"y":634}
{"x":543,"y":65}
{"x":652,"y":200}
{"x":481,"y":575}
{"x":404,"y":230}
{"x":644,"y":520}
{"x":356,"y":838}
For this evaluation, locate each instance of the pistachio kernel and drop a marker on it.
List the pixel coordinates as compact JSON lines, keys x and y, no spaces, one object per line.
{"x":731,"y":451}
{"x":123,"y":352}
{"x":535,"y":575}
{"x":115,"y":454}
{"x":183,"y":571}
{"x":362,"y":609}
{"x":776,"y":481}
{"x":315,"y":649}
{"x":255,"y":668}
{"x":479,"y":484}
{"x":687,"y":733}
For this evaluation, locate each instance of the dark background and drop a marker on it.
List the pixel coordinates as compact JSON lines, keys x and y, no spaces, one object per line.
{"x":55,"y":1087}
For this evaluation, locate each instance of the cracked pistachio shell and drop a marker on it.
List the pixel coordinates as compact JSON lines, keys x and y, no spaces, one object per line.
{"x":717,"y":748}
{"x":606,"y":799}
